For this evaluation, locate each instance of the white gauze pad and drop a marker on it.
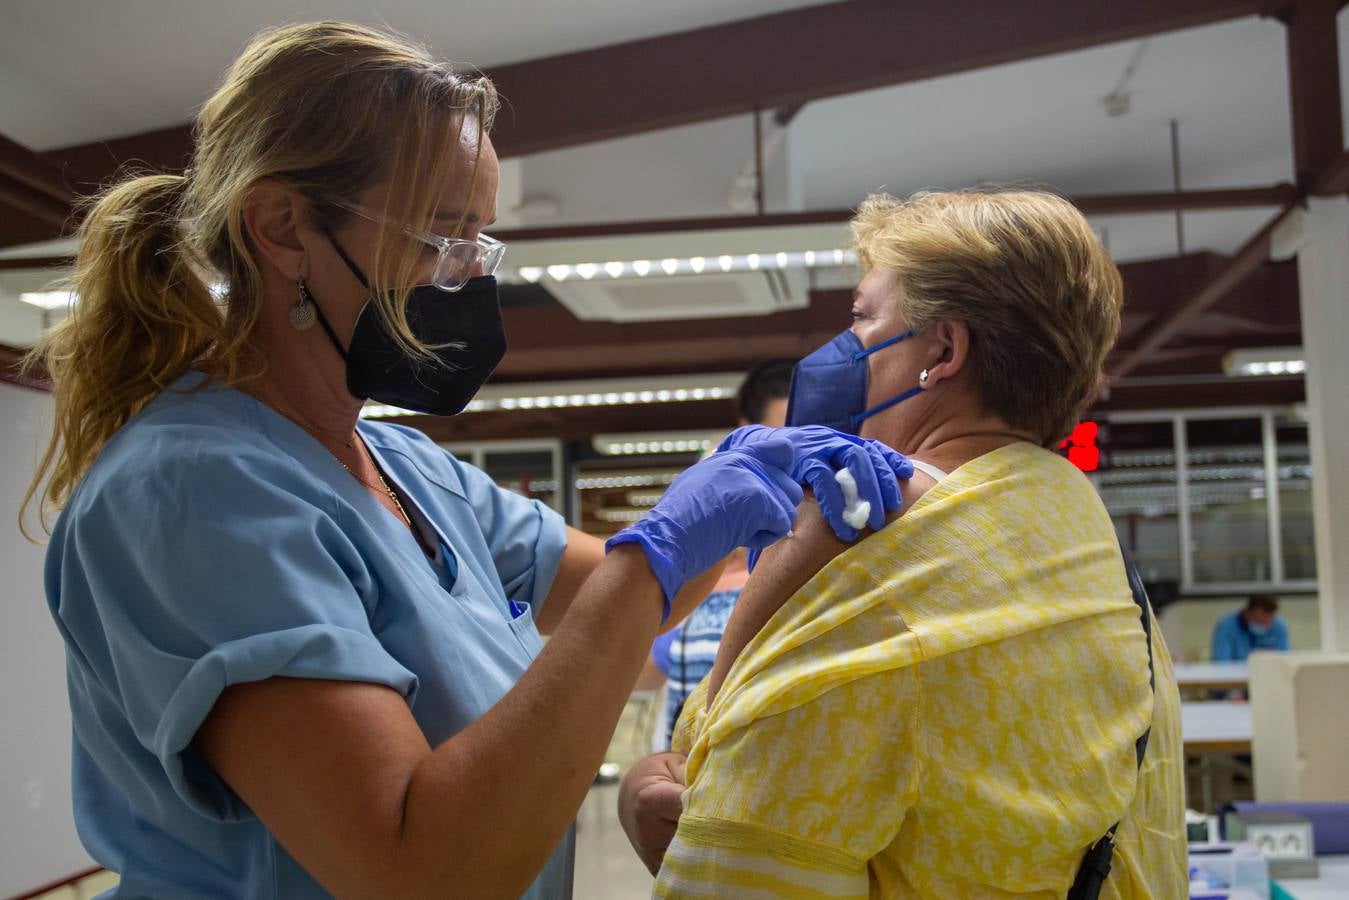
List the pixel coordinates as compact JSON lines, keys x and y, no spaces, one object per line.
{"x":855,"y":512}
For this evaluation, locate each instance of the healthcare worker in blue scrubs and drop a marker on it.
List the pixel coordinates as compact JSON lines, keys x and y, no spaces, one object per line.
{"x":303,"y":648}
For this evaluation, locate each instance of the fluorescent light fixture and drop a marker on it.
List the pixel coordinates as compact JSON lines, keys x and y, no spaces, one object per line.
{"x":589,"y":393}
{"x":49,"y":300}
{"x":638,"y":443}
{"x":1265,"y":361}
{"x":610,"y":480}
{"x":693,"y":265}
{"x":619,"y":515}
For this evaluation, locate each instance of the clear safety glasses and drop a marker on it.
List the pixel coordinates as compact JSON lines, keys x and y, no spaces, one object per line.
{"x":460,"y":259}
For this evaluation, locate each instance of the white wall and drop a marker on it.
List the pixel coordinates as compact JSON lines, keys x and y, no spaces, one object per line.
{"x":37,"y":832}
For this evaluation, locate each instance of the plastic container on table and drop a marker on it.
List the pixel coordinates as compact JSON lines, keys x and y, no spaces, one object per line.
{"x":1228,"y":872}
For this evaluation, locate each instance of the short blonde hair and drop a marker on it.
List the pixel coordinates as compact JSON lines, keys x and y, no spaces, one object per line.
{"x":1027,"y":275}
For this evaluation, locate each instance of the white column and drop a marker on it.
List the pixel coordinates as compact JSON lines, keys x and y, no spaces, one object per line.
{"x":1323,"y":274}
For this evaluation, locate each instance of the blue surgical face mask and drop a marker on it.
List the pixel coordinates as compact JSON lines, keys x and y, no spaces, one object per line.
{"x":829,"y":387}
{"x":1259,"y":630}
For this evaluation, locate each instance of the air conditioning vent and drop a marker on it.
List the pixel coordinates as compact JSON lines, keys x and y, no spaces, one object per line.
{"x":672,"y":298}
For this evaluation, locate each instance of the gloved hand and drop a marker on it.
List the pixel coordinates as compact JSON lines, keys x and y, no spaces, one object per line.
{"x":818,"y":452}
{"x":741,"y":498}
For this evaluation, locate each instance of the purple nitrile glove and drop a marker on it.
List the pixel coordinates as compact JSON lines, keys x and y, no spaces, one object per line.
{"x":740,"y":498}
{"x":818,"y":452}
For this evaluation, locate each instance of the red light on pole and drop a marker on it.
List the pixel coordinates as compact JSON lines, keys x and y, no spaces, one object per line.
{"x":1081,"y":446}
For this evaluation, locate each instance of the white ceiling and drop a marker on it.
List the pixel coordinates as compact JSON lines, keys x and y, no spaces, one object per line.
{"x":73,"y":71}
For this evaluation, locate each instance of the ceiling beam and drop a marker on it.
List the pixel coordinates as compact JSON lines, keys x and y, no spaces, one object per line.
{"x":20,"y":164}
{"x":779,"y":60}
{"x":1164,"y":326}
{"x":30,"y":184}
{"x":1314,"y":86}
{"x":35,"y":262}
{"x":807,"y":54}
{"x":1335,"y":178}
{"x":51,"y":215}
{"x":548,"y":343}
{"x":710,"y":415}
{"x":1090,"y":204}
{"x":1142,"y":203}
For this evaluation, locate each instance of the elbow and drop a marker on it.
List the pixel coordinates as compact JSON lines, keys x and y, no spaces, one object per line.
{"x":465,"y":854}
{"x":470,"y":874}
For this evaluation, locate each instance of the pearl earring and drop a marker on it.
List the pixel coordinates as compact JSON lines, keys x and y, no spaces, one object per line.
{"x":922,"y":378}
{"x":302,"y":316}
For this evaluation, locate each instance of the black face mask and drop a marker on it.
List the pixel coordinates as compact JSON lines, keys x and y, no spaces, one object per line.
{"x":379,"y":369}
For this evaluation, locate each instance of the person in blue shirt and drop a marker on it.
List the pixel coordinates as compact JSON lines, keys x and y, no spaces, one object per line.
{"x":303,"y":649}
{"x":1255,"y":627}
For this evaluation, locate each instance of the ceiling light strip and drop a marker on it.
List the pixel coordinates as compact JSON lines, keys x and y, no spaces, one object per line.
{"x":592,"y":393}
{"x":692,"y":265}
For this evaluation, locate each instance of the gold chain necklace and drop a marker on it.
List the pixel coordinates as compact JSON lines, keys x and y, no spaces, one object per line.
{"x":350,"y":444}
{"x":383,"y":486}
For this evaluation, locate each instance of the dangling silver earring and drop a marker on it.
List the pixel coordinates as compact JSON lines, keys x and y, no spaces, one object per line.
{"x":302,"y":316}
{"x":922,"y":379}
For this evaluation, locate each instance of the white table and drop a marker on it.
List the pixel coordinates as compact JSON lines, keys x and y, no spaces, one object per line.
{"x":1332,"y":884}
{"x":1216,"y":726}
{"x":1209,"y":676}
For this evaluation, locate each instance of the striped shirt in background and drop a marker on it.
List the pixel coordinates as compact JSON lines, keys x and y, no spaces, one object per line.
{"x":693,"y":650}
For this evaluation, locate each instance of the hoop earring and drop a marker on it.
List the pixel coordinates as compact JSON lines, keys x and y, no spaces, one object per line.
{"x":301,"y":313}
{"x":922,"y":379}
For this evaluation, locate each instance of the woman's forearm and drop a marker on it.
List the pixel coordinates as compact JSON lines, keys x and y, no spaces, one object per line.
{"x":486,"y":808}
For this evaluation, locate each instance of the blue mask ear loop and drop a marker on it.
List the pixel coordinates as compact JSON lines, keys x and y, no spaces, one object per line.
{"x":861,"y":417}
{"x":858,"y":419}
{"x":862,"y":354}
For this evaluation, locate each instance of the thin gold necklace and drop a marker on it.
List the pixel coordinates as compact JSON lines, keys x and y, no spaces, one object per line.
{"x":383,"y":486}
{"x":350,"y":444}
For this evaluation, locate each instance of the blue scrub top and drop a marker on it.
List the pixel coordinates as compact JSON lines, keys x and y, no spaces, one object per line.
{"x":214,"y":542}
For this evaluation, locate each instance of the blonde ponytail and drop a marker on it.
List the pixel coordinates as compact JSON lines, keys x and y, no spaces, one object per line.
{"x":144,"y":316}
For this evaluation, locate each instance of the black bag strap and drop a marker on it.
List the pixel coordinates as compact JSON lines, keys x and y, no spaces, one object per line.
{"x":1095,"y":867}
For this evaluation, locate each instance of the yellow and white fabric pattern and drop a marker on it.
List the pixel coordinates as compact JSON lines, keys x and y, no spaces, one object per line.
{"x":946,"y":710}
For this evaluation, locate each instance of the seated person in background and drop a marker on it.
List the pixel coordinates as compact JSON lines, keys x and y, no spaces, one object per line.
{"x":686,"y":652}
{"x":1256,"y":627}
{"x":953,"y":706}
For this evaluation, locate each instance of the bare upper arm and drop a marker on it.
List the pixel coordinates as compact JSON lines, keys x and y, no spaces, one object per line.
{"x":326,"y":766}
{"x":583,"y":554}
{"x":783,"y":569}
